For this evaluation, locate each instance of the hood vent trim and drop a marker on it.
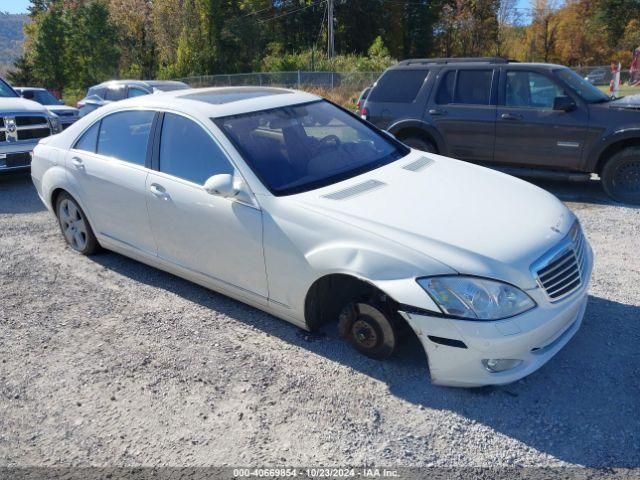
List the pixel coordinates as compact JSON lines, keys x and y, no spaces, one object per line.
{"x":355,"y":190}
{"x":419,"y":164}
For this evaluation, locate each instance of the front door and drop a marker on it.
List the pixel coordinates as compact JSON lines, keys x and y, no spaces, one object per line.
{"x":108,"y":168}
{"x":463,"y":110}
{"x":216,"y":237}
{"x":529,"y":132}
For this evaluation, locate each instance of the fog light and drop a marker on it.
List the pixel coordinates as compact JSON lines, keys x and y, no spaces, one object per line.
{"x":500,"y":364}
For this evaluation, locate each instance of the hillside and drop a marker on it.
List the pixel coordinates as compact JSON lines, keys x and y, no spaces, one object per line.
{"x":11,"y":38}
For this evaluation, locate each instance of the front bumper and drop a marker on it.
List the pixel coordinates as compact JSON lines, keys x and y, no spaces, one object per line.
{"x":533,"y":337}
{"x":16,"y":156}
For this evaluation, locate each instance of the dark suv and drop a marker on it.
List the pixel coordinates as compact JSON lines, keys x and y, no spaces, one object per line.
{"x":530,"y":119}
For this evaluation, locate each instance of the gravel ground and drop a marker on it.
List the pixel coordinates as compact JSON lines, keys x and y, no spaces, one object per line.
{"x":105,"y":361}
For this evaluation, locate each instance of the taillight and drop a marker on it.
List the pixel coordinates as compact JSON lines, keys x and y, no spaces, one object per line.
{"x":364,"y":113}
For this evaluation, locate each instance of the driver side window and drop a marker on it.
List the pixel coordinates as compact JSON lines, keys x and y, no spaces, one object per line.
{"x":531,"y":90}
{"x":188,"y":152}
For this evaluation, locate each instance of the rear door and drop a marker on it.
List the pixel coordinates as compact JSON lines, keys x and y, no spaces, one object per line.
{"x":108,"y":164}
{"x":529,"y":132}
{"x":462,"y":107}
{"x":398,"y":94}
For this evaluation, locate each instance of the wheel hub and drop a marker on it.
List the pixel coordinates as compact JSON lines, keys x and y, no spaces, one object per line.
{"x":628,"y":177}
{"x":364,"y":334}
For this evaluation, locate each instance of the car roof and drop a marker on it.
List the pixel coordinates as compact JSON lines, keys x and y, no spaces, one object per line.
{"x":421,"y":63}
{"x":30,"y":89}
{"x":141,"y":83}
{"x":218,"y":101}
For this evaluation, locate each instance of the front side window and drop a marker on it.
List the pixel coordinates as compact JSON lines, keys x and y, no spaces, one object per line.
{"x":531,"y":90}
{"x":6,"y":90}
{"x":125,"y":135}
{"x":87,"y":142}
{"x":298,"y":148}
{"x":188,"y":152}
{"x":398,"y":86}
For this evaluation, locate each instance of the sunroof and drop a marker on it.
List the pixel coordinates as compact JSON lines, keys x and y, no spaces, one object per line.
{"x":228,"y":95}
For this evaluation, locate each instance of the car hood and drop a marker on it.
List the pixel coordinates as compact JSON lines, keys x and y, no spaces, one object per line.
{"x":475,"y":220}
{"x":18,"y":104}
{"x":630,"y":101}
{"x":62,"y":109}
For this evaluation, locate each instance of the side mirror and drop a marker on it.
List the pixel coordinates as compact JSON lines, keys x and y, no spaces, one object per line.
{"x":221,"y":185}
{"x":564,"y":103}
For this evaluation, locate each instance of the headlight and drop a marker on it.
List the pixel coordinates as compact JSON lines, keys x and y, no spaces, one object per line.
{"x":476,"y":298}
{"x":54,"y":121}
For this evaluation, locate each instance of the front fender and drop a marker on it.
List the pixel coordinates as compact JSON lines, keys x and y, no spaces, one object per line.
{"x":627,"y":133}
{"x":393,"y":275}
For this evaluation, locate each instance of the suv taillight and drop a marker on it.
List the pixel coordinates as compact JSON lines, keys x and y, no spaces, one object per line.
{"x":364,"y":113}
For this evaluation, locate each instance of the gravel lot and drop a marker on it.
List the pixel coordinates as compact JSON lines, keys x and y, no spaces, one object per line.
{"x":105,"y":361}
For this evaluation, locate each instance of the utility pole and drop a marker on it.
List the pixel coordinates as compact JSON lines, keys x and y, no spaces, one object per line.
{"x":330,"y":44}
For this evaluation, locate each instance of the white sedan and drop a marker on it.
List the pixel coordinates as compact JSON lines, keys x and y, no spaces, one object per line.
{"x":291,"y":204}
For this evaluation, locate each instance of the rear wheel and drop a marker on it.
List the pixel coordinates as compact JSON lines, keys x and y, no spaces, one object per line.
{"x":369,"y":329}
{"x":420,"y":144}
{"x":621,"y":176}
{"x":74,"y":225}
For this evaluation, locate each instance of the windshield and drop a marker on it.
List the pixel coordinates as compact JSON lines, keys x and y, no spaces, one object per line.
{"x":298,"y":148}
{"x":6,"y":90}
{"x":41,"y":96}
{"x":582,"y":87}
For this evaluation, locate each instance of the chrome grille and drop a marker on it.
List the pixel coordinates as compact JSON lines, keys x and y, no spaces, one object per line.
{"x":562,"y":271}
{"x":16,"y":127}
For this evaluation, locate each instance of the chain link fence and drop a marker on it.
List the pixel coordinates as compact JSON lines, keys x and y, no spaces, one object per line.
{"x":296,"y":79}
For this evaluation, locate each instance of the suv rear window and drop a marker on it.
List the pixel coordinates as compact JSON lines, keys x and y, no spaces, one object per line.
{"x":398,"y":86}
{"x":471,"y":87}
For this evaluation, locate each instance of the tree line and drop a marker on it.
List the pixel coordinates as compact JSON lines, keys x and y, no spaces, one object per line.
{"x":71,"y":44}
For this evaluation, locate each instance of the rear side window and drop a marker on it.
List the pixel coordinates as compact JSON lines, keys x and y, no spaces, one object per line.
{"x":398,"y":86}
{"x":470,"y":87}
{"x":125,"y":135}
{"x":188,"y":152}
{"x":87,"y":142}
{"x":137,"y":92}
{"x":114,"y":94}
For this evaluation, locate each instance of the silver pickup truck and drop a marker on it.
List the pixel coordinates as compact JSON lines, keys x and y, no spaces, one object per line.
{"x":22,"y":124}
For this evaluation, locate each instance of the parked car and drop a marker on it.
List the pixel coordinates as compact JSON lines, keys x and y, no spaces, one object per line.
{"x":66,"y":114}
{"x":599,"y":76}
{"x":116,"y":90}
{"x":22,"y":124}
{"x":361,"y":99}
{"x":529,"y":119}
{"x":291,"y":204}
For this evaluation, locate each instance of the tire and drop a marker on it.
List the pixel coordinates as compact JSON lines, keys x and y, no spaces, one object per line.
{"x":74,"y":225}
{"x":420,"y":144}
{"x":621,"y":176}
{"x":369,"y":330}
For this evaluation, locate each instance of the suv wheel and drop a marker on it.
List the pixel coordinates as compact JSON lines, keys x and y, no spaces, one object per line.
{"x":621,"y":176}
{"x":368,"y":329}
{"x":74,"y":225}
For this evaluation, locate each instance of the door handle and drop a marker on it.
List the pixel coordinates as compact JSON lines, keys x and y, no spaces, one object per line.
{"x":510,"y":116}
{"x":158,"y":190}
{"x":77,"y":162}
{"x":436,"y":111}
